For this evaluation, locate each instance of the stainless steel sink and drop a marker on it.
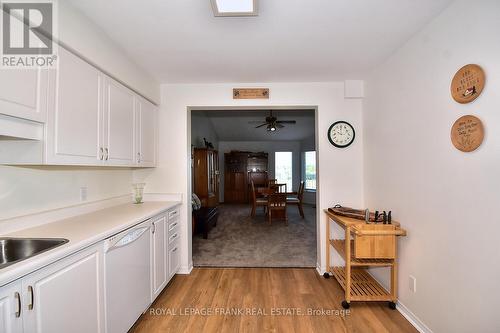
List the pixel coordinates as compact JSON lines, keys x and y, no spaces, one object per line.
{"x":13,"y":250}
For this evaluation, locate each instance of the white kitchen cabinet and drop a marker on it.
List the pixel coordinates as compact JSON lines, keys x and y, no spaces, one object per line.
{"x":173,"y":259}
{"x":66,"y":296}
{"x":146,"y":136}
{"x":159,"y":266}
{"x":173,"y":256}
{"x":11,"y":308}
{"x":118,"y":120}
{"x":23,"y":93}
{"x":74,"y":112}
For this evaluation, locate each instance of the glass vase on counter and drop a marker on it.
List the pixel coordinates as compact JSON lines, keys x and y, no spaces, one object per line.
{"x":138,"y":192}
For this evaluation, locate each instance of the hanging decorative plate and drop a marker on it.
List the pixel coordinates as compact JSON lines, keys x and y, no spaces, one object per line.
{"x":468,"y":83}
{"x":467,"y":133}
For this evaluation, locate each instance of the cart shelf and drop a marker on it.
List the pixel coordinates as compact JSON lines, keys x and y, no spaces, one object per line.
{"x":363,"y":285}
{"x":364,"y":245}
{"x":339,"y":246}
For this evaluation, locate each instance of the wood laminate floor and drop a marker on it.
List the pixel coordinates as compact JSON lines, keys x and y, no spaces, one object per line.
{"x":263,"y":300}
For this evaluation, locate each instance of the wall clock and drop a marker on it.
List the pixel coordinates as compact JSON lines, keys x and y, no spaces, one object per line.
{"x":341,"y":134}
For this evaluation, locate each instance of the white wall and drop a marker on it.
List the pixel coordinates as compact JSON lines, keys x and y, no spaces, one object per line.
{"x":270,"y":147}
{"x":202,"y":127}
{"x":26,"y":190}
{"x":446,"y":199}
{"x":82,"y":35}
{"x":340,"y":170}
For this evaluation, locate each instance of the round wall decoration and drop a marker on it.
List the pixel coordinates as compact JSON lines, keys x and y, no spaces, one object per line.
{"x":468,"y":83}
{"x":467,"y":133}
{"x":341,"y":134}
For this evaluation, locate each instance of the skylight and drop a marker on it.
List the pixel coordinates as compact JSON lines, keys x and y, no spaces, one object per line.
{"x":234,"y":7}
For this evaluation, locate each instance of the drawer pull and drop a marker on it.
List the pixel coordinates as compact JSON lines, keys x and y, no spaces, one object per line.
{"x":173,"y":225}
{"x":174,"y":250}
{"x":173,"y":237}
{"x":18,"y":298}
{"x":32,"y":298}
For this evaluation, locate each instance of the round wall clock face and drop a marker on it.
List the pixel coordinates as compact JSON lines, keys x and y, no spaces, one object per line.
{"x":341,"y":134}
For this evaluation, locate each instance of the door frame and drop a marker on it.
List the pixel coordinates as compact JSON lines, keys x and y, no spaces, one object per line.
{"x":255,"y":108}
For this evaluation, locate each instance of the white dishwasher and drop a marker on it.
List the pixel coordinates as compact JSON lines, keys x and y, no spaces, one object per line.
{"x":127,"y":277}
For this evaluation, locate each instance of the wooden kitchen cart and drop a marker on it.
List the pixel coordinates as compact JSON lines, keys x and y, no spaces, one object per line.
{"x":364,"y":245}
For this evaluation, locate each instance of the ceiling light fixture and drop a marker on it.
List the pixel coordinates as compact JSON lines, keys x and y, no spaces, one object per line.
{"x":235,"y":7}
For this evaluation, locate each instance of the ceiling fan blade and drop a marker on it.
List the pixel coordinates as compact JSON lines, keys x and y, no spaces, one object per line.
{"x":279,"y":125}
{"x":286,"y":121}
{"x":264,"y":124}
{"x":255,"y":122}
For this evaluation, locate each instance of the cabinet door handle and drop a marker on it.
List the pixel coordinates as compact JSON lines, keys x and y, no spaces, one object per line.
{"x":107,"y":153}
{"x":32,"y":298}
{"x":18,"y":298}
{"x":138,"y":157}
{"x":101,"y":153}
{"x":154,"y":228}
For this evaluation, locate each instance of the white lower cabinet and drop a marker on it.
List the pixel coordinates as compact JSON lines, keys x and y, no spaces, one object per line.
{"x":11,"y":309}
{"x":68,"y":295}
{"x":159,"y":266}
{"x":63,"y":297}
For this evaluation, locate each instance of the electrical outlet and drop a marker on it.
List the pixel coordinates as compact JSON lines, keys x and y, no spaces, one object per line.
{"x":83,"y":193}
{"x":412,"y":283}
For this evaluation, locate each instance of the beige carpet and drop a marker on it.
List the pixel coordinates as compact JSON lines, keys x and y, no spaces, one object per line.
{"x":241,"y":241}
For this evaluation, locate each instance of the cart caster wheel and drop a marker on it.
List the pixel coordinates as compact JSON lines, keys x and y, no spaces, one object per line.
{"x":346,"y":305}
{"x":392,"y":305}
{"x":326,"y":275}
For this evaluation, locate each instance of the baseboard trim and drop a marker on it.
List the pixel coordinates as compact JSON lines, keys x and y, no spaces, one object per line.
{"x":412,"y":318}
{"x":319,"y":269}
{"x":185,"y":270}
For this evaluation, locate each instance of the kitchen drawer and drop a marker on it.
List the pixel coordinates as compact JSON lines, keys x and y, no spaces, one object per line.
{"x":174,"y":214}
{"x":173,"y":236}
{"x":173,"y":224}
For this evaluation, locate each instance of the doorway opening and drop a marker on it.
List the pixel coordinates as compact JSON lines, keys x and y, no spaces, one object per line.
{"x":254,"y":184}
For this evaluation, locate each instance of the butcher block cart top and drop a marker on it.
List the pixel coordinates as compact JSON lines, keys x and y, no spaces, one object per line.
{"x":362,"y":246}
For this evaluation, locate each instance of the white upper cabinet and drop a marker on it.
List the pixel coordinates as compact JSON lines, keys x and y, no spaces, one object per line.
{"x":146,"y":133}
{"x":77,"y":115}
{"x":23,"y":93}
{"x":73,"y":121}
{"x":118,"y":129}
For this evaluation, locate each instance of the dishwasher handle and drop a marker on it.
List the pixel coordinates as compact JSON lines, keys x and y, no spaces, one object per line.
{"x":124,"y":239}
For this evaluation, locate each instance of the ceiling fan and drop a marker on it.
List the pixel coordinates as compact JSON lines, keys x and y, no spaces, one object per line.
{"x":272,"y":123}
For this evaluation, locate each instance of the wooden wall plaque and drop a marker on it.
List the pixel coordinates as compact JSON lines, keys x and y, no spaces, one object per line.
{"x":468,"y":83}
{"x":250,"y":93}
{"x":467,"y":133}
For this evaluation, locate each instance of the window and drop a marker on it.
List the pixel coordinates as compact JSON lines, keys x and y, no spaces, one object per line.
{"x":309,"y":170}
{"x":283,"y":168}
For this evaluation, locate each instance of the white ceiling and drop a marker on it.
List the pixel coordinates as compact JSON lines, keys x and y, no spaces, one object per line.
{"x":233,"y":125}
{"x":291,"y":40}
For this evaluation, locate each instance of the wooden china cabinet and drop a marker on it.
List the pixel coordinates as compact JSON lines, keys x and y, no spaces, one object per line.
{"x":206,"y":176}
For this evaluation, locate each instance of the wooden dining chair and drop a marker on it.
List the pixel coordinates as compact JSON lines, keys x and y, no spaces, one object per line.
{"x":281,"y":188}
{"x":257,"y":201}
{"x":271,"y":182}
{"x":297,"y":200}
{"x":276,"y":207}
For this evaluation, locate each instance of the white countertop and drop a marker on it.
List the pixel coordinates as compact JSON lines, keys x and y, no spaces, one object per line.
{"x":81,"y":231}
